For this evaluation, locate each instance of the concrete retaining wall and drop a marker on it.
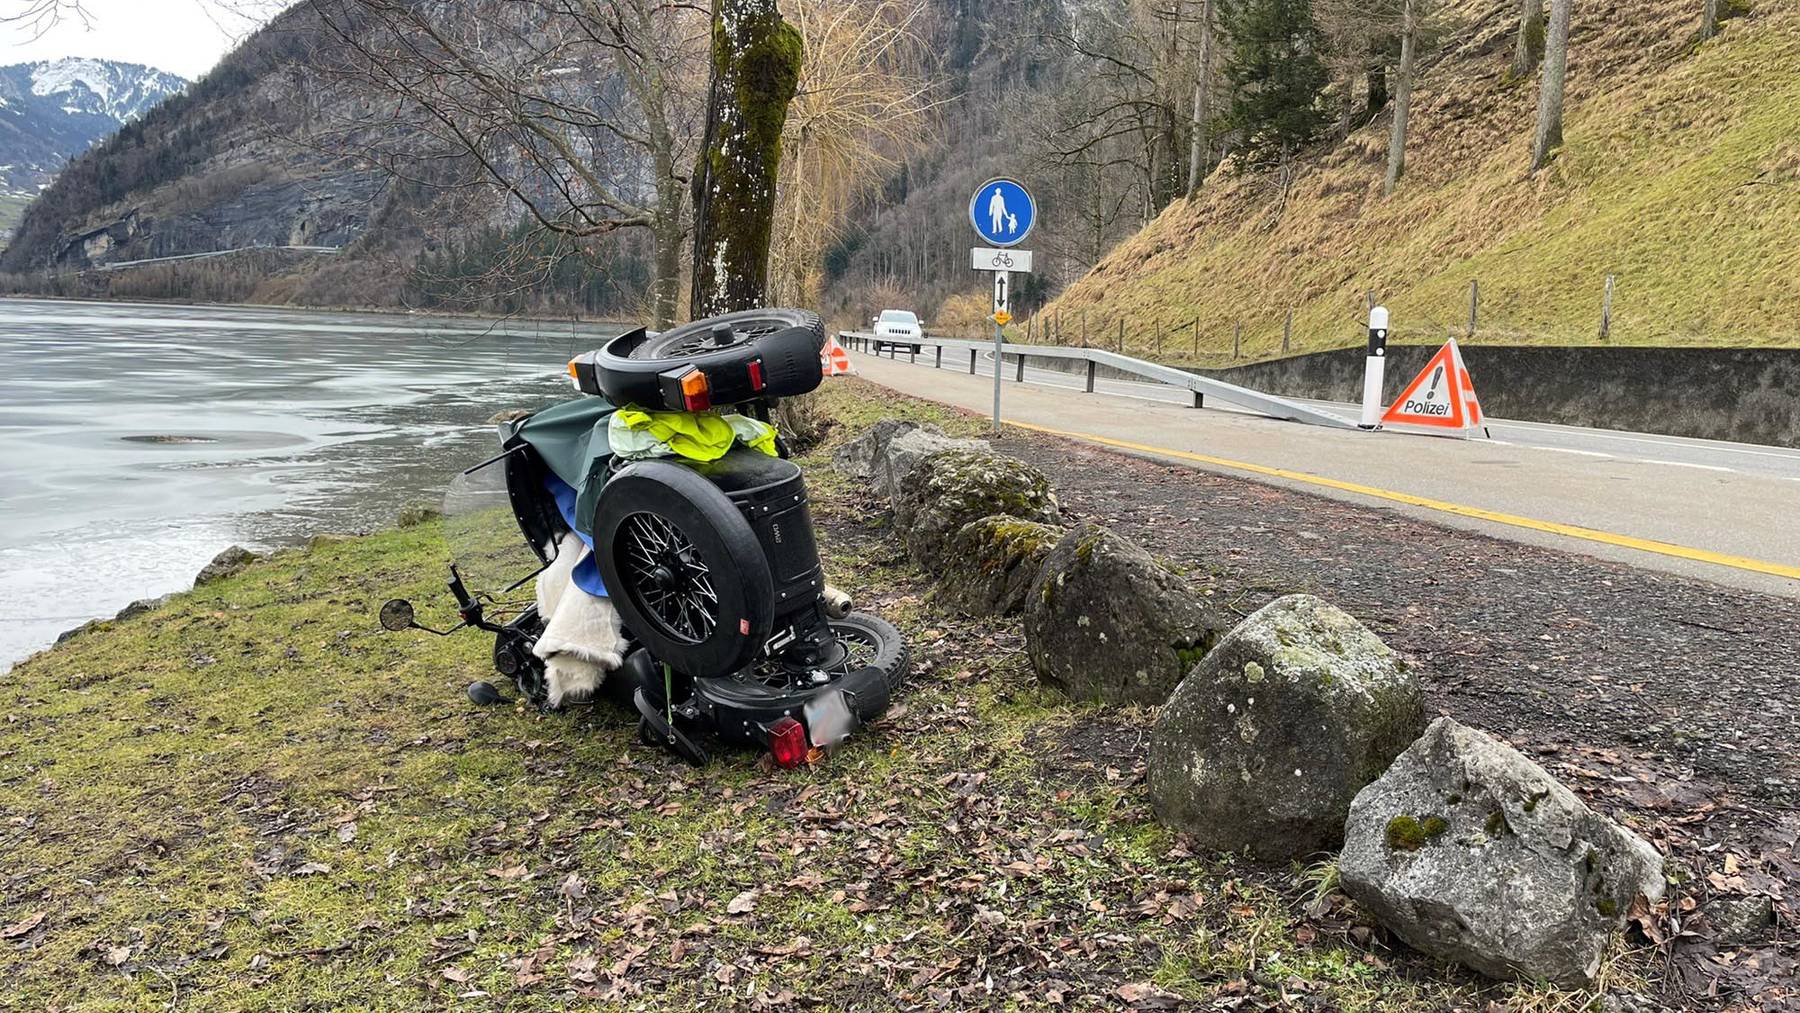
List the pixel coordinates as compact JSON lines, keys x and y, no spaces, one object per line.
{"x":1749,"y":395}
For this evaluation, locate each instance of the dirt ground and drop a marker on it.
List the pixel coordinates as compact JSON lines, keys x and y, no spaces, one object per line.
{"x":1668,"y":702}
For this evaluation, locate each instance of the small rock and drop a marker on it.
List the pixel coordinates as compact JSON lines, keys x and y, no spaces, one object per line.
{"x":85,"y":628}
{"x":1264,"y":744}
{"x":320,"y":541}
{"x":226,"y":564}
{"x":992,"y":564}
{"x":903,"y":455}
{"x":1739,"y":920}
{"x":1105,"y":621}
{"x":857,"y":459}
{"x":509,"y":415}
{"x":1471,"y":852}
{"x":141,"y":606}
{"x":417,"y":514}
{"x":954,"y":487}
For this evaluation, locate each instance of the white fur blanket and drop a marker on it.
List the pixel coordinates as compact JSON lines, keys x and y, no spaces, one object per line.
{"x":582,"y":637}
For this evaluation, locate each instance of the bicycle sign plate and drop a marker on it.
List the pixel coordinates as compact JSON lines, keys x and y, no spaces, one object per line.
{"x":986,"y":258}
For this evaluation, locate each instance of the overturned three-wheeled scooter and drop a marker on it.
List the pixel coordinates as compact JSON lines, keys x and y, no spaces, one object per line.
{"x":650,"y":543}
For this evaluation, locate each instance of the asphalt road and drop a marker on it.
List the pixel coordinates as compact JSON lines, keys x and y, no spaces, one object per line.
{"x":1726,"y":512}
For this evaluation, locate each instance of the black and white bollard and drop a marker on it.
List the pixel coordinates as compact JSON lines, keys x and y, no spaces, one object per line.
{"x":1375,"y":367}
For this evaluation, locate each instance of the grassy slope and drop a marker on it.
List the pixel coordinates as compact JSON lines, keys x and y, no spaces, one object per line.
{"x":1681,"y":176}
{"x":254,"y":800}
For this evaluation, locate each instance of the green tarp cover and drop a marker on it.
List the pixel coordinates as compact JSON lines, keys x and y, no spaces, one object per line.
{"x":572,"y":440}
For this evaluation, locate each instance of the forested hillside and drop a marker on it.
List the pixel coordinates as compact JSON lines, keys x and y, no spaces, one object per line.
{"x":1679,"y":178}
{"x":1204,"y":167}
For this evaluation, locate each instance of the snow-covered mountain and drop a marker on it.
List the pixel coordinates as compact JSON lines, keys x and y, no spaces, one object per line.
{"x":53,"y":110}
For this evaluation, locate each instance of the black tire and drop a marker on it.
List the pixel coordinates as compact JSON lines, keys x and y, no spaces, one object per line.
{"x":871,"y":671}
{"x":684,"y":569}
{"x":886,"y":651}
{"x":629,"y":368}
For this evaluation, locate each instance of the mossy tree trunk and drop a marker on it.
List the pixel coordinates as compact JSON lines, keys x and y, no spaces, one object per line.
{"x":1550,"y":96}
{"x":756,"y":62}
{"x":1528,"y":45}
{"x":1409,"y":31}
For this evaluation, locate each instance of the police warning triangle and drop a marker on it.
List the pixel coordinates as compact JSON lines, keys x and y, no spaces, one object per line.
{"x":1442,"y":396}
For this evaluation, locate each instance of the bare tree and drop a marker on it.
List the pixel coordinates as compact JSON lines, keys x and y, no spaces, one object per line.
{"x":1550,"y":94}
{"x":1409,"y":35}
{"x":1199,"y":146}
{"x":1528,"y":44}
{"x":35,"y":17}
{"x":861,"y":104}
{"x":575,"y":109}
{"x":1709,"y":20}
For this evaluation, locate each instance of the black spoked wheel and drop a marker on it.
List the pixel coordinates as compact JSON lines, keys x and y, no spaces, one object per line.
{"x":725,"y":333}
{"x":863,"y":641}
{"x":684,"y":568}
{"x":783,"y":343}
{"x":668,"y":577}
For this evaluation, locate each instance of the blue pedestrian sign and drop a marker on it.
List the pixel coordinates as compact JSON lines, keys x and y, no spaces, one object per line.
{"x":1003,"y":212}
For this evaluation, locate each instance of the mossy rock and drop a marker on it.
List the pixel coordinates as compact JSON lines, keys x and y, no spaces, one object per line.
{"x":1105,"y":621}
{"x":950,"y":489}
{"x":992,"y":563}
{"x":1471,"y":852}
{"x":1266,"y":742}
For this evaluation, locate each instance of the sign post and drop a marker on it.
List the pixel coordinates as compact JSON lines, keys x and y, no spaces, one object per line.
{"x":1375,"y":367}
{"x":1002,"y":212}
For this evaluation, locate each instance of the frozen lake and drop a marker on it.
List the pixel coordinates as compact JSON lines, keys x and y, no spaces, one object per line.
{"x":136,"y":441}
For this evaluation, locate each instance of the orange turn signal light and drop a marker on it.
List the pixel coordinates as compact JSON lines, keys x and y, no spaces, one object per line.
{"x":696,"y":393}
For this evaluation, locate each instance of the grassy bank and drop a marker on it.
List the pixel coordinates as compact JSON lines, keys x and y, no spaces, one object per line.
{"x":253,"y":799}
{"x":1680,"y":178}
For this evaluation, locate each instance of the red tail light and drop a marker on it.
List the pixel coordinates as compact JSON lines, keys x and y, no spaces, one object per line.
{"x":787,"y":743}
{"x":756,"y":375}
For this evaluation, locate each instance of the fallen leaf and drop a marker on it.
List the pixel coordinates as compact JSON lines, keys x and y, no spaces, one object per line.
{"x":118,"y":955}
{"x":346,"y":833}
{"x":19,"y":928}
{"x":742,"y":903}
{"x":312,"y":869}
{"x":573,"y":888}
{"x":456,"y":974}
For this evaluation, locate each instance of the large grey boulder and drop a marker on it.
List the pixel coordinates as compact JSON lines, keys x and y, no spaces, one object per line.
{"x":1264,"y":744}
{"x":227,"y":563}
{"x":899,"y":461}
{"x":992,"y":563}
{"x":857,"y":458}
{"x":1105,"y":621}
{"x":949,"y":489}
{"x":1471,"y":852}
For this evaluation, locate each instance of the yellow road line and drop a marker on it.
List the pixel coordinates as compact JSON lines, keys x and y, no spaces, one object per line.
{"x":1529,"y":523}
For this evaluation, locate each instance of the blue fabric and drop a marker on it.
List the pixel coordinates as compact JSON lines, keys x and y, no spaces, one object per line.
{"x":587,"y":572}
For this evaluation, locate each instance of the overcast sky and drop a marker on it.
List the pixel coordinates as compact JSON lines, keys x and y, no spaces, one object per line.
{"x":183,"y":37}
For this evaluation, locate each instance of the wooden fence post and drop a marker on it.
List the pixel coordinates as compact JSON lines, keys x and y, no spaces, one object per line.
{"x":1158,"y":325}
{"x":1606,"y":310}
{"x":1287,"y":332}
{"x":1237,"y":339}
{"x":1196,"y":337}
{"x":1474,"y":304}
{"x":1084,"y":343}
{"x":1121,"y":334}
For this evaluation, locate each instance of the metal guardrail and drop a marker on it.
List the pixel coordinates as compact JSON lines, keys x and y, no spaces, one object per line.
{"x":1202,"y":387}
{"x":118,"y":264}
